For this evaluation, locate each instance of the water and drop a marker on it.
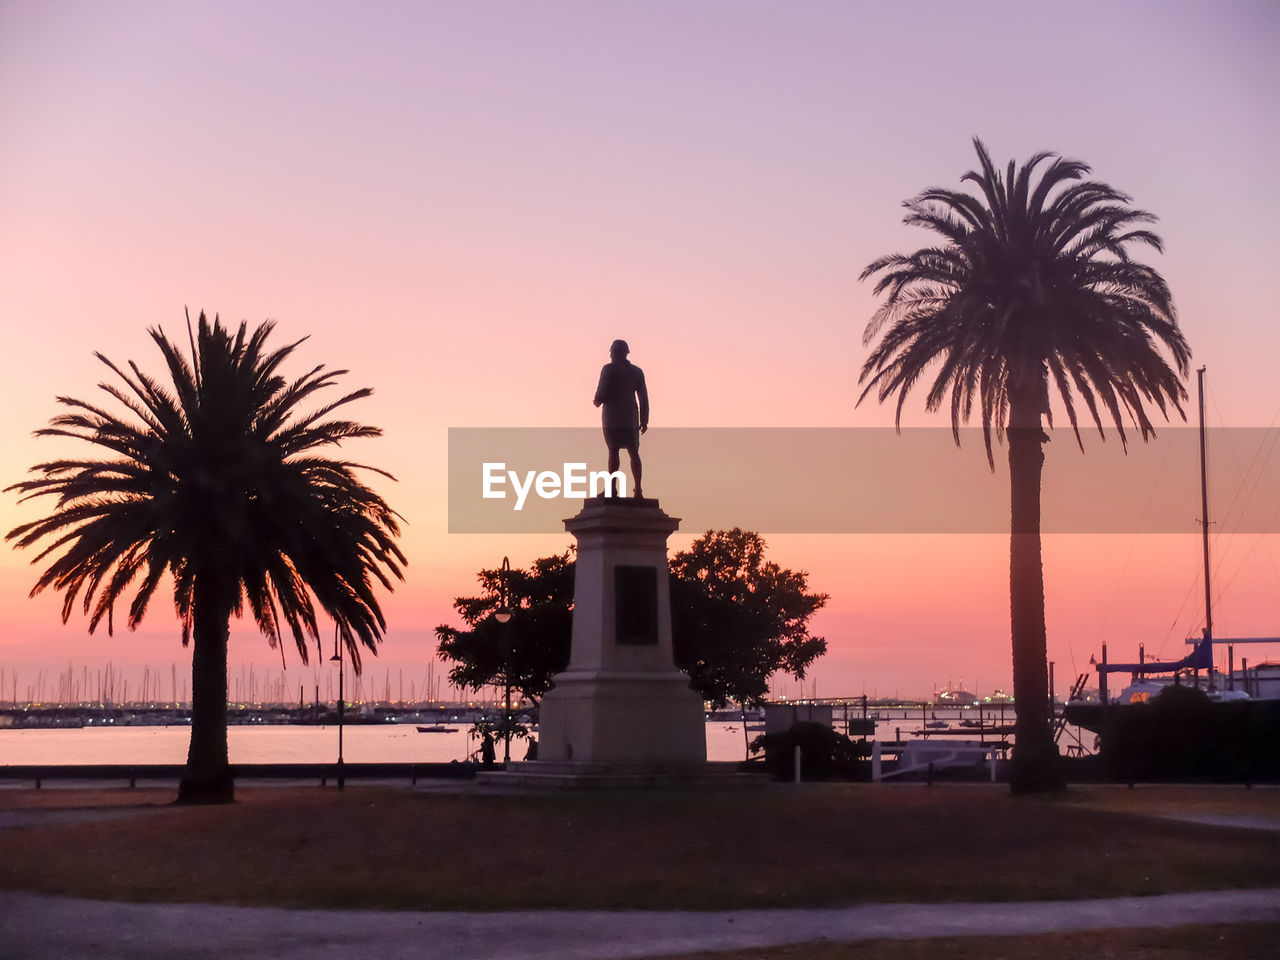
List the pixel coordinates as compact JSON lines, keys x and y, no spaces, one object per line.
{"x":399,"y":742}
{"x":285,"y":743}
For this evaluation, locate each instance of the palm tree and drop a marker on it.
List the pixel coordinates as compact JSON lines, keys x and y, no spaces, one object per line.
{"x":215,"y":480}
{"x":1031,"y":283}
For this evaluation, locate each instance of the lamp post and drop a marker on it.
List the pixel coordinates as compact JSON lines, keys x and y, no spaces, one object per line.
{"x":503,"y":616}
{"x":337,"y":655}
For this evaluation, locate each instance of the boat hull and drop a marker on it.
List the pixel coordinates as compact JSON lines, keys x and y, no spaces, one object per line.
{"x":1185,"y":738}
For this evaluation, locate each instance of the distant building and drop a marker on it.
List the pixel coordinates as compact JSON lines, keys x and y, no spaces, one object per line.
{"x":1262,"y":683}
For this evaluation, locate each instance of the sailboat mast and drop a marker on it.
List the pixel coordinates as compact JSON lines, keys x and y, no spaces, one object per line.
{"x":1204,"y":513}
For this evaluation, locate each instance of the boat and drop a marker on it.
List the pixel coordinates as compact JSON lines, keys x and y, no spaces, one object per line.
{"x":437,"y":728}
{"x":1222,"y":705}
{"x":1145,"y":689}
{"x":951,"y":697}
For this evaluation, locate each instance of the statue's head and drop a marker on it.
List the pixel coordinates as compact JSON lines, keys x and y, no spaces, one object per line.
{"x":618,"y":349}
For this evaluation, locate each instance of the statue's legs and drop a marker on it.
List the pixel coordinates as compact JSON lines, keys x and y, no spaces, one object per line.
{"x":634,"y":454}
{"x":615,"y":461}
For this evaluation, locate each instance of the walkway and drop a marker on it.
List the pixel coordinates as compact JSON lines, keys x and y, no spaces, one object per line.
{"x":33,"y":926}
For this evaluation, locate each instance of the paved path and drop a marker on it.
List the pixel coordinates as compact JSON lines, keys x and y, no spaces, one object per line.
{"x":1245,"y":821}
{"x":33,"y":926}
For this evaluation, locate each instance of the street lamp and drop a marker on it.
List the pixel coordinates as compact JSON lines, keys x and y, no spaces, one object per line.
{"x":503,"y":616}
{"x":337,"y":655}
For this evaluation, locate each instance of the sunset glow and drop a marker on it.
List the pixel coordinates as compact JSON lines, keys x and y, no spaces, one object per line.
{"x":464,"y":204}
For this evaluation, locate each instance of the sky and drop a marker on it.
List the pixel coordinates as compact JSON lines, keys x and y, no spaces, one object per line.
{"x":463,"y":204}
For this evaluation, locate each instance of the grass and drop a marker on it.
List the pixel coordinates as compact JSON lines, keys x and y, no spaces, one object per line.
{"x":817,"y":845}
{"x":1219,"y":941}
{"x":1261,"y":803}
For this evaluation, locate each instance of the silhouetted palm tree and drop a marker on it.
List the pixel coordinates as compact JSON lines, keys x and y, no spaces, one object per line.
{"x":1031,"y":283}
{"x":215,"y":481}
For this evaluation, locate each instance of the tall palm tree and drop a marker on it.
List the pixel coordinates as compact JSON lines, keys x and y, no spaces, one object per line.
{"x":215,"y":480}
{"x":1029,"y":284}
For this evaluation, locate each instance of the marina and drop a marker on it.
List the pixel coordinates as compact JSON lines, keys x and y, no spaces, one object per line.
{"x":391,"y":737}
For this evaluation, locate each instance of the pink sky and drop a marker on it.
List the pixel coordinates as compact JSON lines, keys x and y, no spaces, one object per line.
{"x":463,"y":204}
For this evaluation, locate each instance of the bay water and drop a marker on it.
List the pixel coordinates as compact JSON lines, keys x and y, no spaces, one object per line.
{"x":282,"y":743}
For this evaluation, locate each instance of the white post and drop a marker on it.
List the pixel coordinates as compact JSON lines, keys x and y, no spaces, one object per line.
{"x":797,"y":764}
{"x":875,"y":761}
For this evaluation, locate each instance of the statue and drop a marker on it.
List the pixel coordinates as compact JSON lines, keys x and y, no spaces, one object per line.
{"x":625,"y":416}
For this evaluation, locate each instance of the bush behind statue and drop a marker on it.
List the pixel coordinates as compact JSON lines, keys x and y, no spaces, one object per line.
{"x":824,"y":754}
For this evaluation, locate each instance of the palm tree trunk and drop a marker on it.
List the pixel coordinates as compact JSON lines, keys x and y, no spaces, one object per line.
{"x":207,"y":777}
{"x":1036,"y":768}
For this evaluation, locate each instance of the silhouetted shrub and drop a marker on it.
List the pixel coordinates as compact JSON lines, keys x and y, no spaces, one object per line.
{"x":824,"y":754}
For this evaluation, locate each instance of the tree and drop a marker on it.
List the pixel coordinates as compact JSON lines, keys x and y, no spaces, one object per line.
{"x":215,"y":481}
{"x":1031,"y":283}
{"x":736,"y":619}
{"x":540,"y":600}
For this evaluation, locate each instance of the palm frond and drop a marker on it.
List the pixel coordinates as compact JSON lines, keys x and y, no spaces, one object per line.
{"x":212,"y":478}
{"x":1034,"y":283}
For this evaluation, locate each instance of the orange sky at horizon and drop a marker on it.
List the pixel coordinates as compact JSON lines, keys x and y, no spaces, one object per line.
{"x":463,"y":206}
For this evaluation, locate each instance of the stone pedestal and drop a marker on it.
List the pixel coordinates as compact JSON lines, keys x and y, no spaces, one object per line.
{"x":622,"y":705}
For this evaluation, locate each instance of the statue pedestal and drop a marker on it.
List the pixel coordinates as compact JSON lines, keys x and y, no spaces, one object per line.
{"x":622,"y":706}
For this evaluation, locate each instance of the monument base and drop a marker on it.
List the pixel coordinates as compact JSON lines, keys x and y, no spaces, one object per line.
{"x":622,"y":717}
{"x":554,"y":775}
{"x":621,"y":714}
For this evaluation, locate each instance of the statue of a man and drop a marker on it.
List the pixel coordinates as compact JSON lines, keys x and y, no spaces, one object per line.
{"x":625,"y":400}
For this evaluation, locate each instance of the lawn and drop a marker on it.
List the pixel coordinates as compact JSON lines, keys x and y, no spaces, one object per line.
{"x":765,"y":846}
